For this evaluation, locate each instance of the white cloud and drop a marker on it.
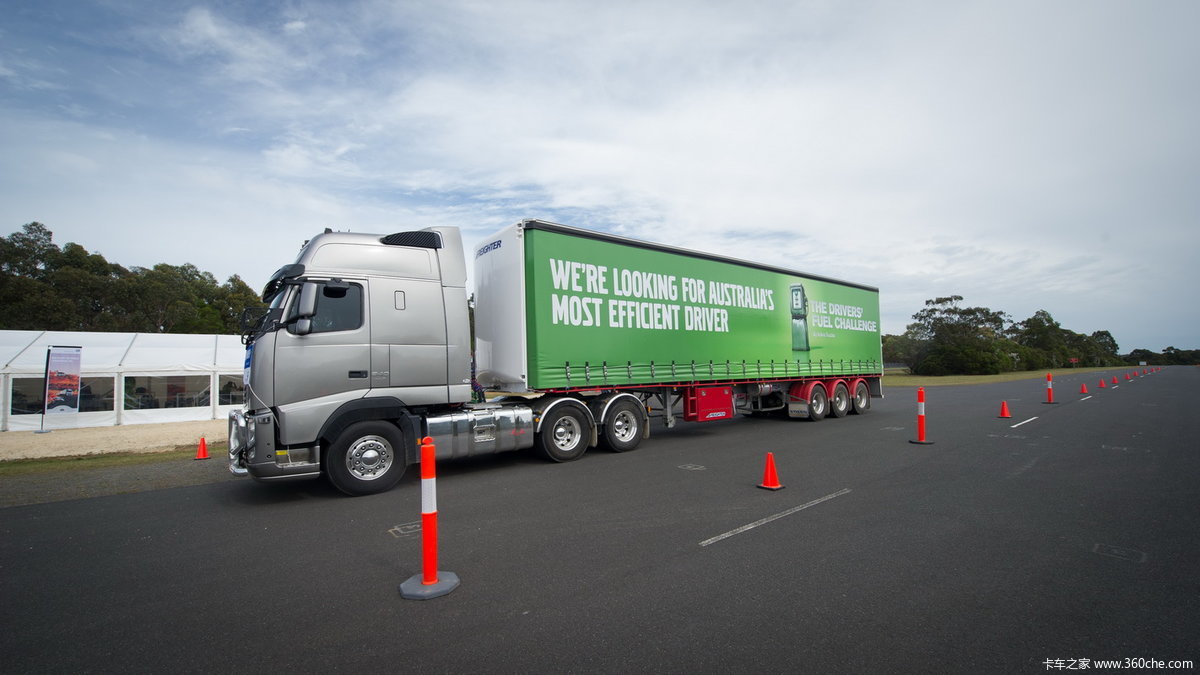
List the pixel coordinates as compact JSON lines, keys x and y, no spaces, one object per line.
{"x":1007,"y":152}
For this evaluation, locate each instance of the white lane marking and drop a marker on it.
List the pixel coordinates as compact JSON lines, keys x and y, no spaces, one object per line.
{"x":777,"y":516}
{"x":1085,"y":398}
{"x":1129,"y":554}
{"x":1020,"y":423}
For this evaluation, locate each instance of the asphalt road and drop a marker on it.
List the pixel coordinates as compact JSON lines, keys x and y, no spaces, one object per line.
{"x":997,"y":548}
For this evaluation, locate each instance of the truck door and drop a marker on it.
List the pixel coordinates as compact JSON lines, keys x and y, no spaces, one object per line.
{"x":334,"y":357}
{"x":408,"y":318}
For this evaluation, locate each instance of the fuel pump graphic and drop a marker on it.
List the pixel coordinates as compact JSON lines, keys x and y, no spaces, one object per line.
{"x":799,"y":319}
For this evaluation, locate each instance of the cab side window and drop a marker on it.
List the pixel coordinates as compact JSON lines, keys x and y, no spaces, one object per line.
{"x":338,"y":309}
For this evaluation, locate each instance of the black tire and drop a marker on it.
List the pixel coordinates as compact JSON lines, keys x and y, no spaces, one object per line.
{"x":862,"y":399}
{"x":818,"y":403}
{"x":564,"y":434}
{"x":368,"y":457}
{"x":840,"y":404}
{"x":623,"y":426}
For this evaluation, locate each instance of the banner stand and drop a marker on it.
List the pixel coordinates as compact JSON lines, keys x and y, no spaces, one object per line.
{"x":62,"y":382}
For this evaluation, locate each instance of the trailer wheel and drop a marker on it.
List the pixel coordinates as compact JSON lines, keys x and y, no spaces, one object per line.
{"x":366,"y":458}
{"x":563,"y":437}
{"x":862,"y":399}
{"x":840,"y":403}
{"x":818,"y":403}
{"x":623,"y":428}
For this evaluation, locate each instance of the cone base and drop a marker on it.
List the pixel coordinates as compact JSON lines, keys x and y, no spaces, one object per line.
{"x":416,"y":589}
{"x":921,"y":442}
{"x":772,"y":487}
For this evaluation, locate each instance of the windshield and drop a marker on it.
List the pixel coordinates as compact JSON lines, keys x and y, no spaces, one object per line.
{"x":256,"y":321}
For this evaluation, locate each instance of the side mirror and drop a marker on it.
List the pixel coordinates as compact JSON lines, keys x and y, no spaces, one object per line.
{"x":306,"y":305}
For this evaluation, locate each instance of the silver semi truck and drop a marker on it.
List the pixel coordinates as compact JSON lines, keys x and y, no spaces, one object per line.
{"x":581,"y":339}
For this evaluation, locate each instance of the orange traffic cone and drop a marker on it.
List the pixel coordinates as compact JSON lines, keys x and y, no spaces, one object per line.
{"x":770,"y":478}
{"x":1004,"y":409}
{"x":1115,"y":380}
{"x":1083,"y":389}
{"x":202,"y":451}
{"x":1101,"y":383}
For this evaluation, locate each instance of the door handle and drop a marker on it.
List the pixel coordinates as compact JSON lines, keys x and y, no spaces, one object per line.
{"x":358,"y":374}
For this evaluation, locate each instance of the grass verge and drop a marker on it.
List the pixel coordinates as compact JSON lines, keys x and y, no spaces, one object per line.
{"x":23,"y":467}
{"x":890,"y":380}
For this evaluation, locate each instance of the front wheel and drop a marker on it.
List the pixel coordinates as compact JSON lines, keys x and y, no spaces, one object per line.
{"x":623,"y":428}
{"x":563,"y":437}
{"x":367,"y":457}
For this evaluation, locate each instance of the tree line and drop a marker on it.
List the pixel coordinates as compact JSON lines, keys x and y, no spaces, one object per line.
{"x":946,"y":338}
{"x":44,"y":287}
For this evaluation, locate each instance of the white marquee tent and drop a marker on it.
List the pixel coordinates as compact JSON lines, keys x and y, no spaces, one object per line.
{"x":126,"y":378}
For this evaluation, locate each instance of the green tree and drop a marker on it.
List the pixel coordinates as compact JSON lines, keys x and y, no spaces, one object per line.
{"x":1105,"y":342}
{"x":26,"y":253}
{"x":236,"y":297}
{"x":959,"y":340}
{"x":904,"y":349}
{"x":45,"y":288}
{"x":1043,"y":333}
{"x":30,"y":303}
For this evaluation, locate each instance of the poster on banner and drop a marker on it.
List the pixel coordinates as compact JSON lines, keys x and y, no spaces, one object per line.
{"x":62,"y":379}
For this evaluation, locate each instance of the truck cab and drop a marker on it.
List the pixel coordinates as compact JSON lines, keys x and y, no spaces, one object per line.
{"x":362,"y":332}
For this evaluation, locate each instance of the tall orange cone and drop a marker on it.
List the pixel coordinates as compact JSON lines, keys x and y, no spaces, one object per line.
{"x":1115,"y":380}
{"x":202,"y":451}
{"x":1101,"y":383}
{"x":1083,"y":389}
{"x":1004,"y":409}
{"x":770,"y":478}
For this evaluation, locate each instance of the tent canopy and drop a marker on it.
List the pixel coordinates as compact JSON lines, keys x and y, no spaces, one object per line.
{"x":127,"y":378}
{"x":24,"y":352}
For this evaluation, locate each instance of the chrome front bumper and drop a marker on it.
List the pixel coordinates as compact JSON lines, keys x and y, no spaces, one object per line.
{"x":252,"y":450}
{"x":240,"y":435}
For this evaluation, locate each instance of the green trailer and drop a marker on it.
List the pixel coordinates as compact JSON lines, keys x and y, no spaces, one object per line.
{"x":560,"y":309}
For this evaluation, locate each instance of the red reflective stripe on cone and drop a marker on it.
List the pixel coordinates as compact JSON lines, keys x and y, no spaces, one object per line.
{"x":429,"y":548}
{"x":428,"y":458}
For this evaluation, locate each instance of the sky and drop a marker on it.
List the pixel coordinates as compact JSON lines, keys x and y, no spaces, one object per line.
{"x":1026,"y":155}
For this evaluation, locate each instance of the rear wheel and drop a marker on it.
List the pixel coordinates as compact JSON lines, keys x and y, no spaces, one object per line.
{"x":818,"y":403}
{"x":840,"y":403}
{"x":623,"y":427}
{"x":563,"y":437}
{"x":862,"y":398}
{"x":366,"y":458}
